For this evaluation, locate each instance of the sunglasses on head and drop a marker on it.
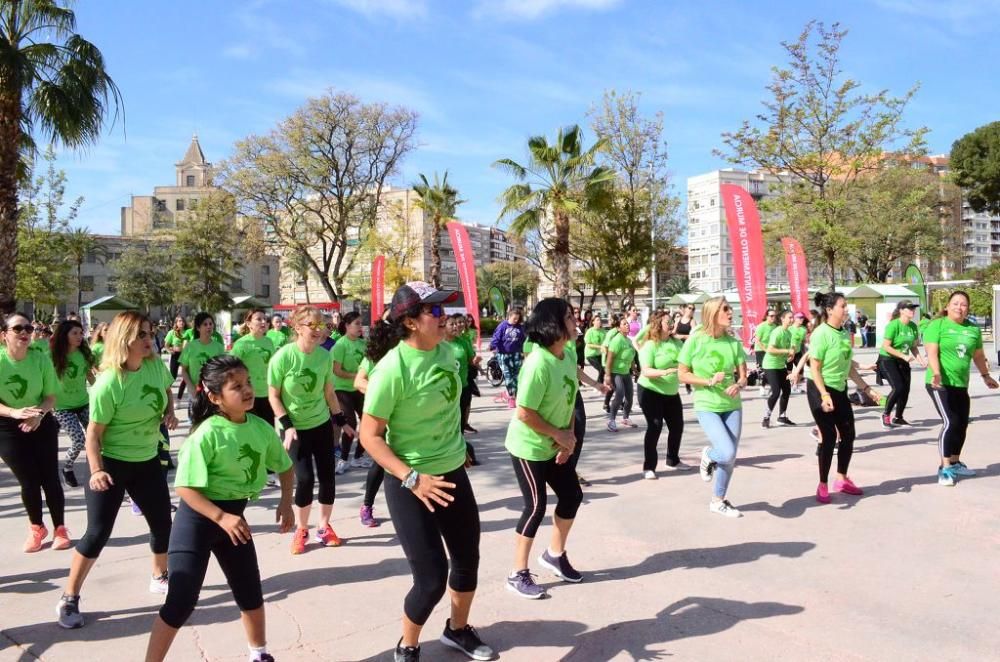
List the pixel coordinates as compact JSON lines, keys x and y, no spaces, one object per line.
{"x":21,"y":328}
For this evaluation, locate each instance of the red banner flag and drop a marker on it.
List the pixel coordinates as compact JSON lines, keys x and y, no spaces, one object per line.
{"x":465,"y":260}
{"x":798,"y":275}
{"x":743,"y":222}
{"x":378,"y":288}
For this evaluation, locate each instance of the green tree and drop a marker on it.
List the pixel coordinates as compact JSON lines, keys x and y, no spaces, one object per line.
{"x":818,"y":133}
{"x":144,"y":273}
{"x":975,"y":164}
{"x":439,"y":203}
{"x":79,"y":244}
{"x":205,"y":268}
{"x":557,"y":183}
{"x":52,"y":81}
{"x":517,"y":280}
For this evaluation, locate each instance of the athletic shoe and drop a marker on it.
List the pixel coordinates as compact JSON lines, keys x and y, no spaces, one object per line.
{"x":761,"y":391}
{"x":468,"y":429}
{"x":680,"y":466}
{"x":136,"y":510}
{"x":367,"y":462}
{"x":70,"y":477}
{"x":960,"y":469}
{"x":328,"y":538}
{"x":946,"y":477}
{"x":784,"y":420}
{"x":847,"y":486}
{"x":822,"y":493}
{"x":899,"y":420}
{"x":271,"y":481}
{"x":60,"y":538}
{"x":341,"y":467}
{"x":612,"y":426}
{"x":466,"y":640}
{"x":560,"y":567}
{"x":511,"y":403}
{"x":707,"y":466}
{"x":583,"y":481}
{"x":68,"y":611}
{"x":814,"y":433}
{"x":649,"y":474}
{"x":299,"y":540}
{"x":627,"y":422}
{"x":500,"y":398}
{"x":523,"y":583}
{"x":406,"y":653}
{"x":36,"y":534}
{"x":158,"y":584}
{"x":368,"y":517}
{"x":765,"y":423}
{"x":887,"y":422}
{"x":724,"y":508}
{"x":264,"y":657}
{"x":358,"y":463}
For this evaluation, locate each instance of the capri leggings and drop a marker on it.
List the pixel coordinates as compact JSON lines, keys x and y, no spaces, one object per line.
{"x":840,"y":422}
{"x":33,"y":458}
{"x":952,"y":404}
{"x":314,"y":444}
{"x":898,"y":374}
{"x":74,"y":423}
{"x":146,"y":483}
{"x":193,"y":540}
{"x":532,"y":477}
{"x":579,"y":430}
{"x":510,"y":365}
{"x":424,"y":535}
{"x":777,"y":379}
{"x":352,"y":403}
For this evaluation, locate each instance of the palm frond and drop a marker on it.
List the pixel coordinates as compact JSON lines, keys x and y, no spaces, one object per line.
{"x":511,"y":167}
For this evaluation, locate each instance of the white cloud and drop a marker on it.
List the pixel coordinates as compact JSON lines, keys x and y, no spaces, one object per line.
{"x":532,"y":9}
{"x":963,"y":16}
{"x":397,"y":9}
{"x":238,"y":52}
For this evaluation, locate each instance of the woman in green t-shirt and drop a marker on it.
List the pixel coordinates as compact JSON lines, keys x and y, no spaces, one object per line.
{"x":348,"y":351}
{"x":199,"y":350}
{"x":593,"y":346}
{"x":953,"y":343}
{"x":714,"y":363}
{"x":780,"y":351}
{"x":255,"y":350}
{"x":97,"y":345}
{"x":174,"y":343}
{"x":831,"y":362}
{"x":221,"y":467}
{"x":467,"y":362}
{"x":410,"y":427}
{"x":541,"y":440}
{"x":381,"y":338}
{"x":658,"y":397}
{"x":29,"y":442}
{"x":901,"y":339}
{"x":129,"y":402}
{"x":74,"y":366}
{"x":618,"y":374}
{"x":278,"y":333}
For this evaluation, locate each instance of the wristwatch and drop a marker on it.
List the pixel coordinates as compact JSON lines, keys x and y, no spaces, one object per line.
{"x":411,"y":480}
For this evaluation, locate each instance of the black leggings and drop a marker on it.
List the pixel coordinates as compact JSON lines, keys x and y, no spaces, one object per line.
{"x":579,"y":430}
{"x":373,"y":481}
{"x":146,"y":483}
{"x":424,"y":535}
{"x":953,"y":406}
{"x":623,"y":396}
{"x":898,"y":374}
{"x":193,"y":540}
{"x":175,"y":365}
{"x":532,"y":477}
{"x":759,"y":358}
{"x":315,"y":443}
{"x":262,"y":409}
{"x":777,"y":379}
{"x":839,"y":421}
{"x":660,"y":409}
{"x":352,"y":404}
{"x":33,"y":458}
{"x":596,"y":363}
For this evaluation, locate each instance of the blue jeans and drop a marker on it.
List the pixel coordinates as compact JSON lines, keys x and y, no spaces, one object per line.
{"x":723,"y":431}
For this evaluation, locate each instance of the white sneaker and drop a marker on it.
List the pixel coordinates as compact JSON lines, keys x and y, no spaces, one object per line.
{"x":612,"y":426}
{"x":367,"y":462}
{"x":341,"y":467}
{"x":680,"y":466}
{"x":649,"y":474}
{"x":723,"y":507}
{"x":707,"y":466}
{"x":357,"y":463}
{"x":158,"y":584}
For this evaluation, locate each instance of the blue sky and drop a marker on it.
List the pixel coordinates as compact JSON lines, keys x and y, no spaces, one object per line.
{"x":487,"y":74}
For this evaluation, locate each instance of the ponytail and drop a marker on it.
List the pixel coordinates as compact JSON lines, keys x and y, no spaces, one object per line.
{"x":382,"y":337}
{"x":214,"y":375}
{"x":825,"y":301}
{"x":345,"y":320}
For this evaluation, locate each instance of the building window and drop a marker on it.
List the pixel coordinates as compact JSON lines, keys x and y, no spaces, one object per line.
{"x":265,"y":291}
{"x":112,"y":286}
{"x":189,"y":180}
{"x":87,"y":283}
{"x":236,"y":285}
{"x":91,"y":257}
{"x":265,"y":270}
{"x":179,"y":205}
{"x":193,"y":203}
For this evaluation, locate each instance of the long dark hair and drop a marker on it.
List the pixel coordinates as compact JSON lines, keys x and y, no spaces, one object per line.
{"x":826,"y":301}
{"x":60,"y":346}
{"x":346,"y":319}
{"x":214,"y":375}
{"x":382,"y":337}
{"x":547,"y":323}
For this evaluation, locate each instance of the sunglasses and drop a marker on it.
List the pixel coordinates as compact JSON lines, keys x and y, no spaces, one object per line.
{"x":435,"y":310}
{"x":21,"y":328}
{"x":315,"y":326}
{"x":144,"y":334}
{"x":727,"y":309}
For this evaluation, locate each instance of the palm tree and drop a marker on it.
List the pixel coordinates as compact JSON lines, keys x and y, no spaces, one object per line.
{"x":79,"y":243}
{"x":563,"y":180}
{"x":439,"y":202}
{"x":52,"y":80}
{"x":299,"y":265}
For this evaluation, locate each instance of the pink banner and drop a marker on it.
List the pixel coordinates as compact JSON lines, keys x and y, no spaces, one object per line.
{"x":798,"y":275}
{"x":465,"y":260}
{"x":378,"y":287}
{"x":743,"y":223}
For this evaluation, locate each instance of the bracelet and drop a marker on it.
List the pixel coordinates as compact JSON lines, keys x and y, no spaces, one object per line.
{"x":286,"y":422}
{"x":99,"y":471}
{"x":825,"y":396}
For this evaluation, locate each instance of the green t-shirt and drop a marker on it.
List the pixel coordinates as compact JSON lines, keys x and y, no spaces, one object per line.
{"x":335,"y":337}
{"x":779,"y":338}
{"x":462,"y":349}
{"x":27,"y":382}
{"x":763,"y":333}
{"x":798,"y":336}
{"x":255,"y":353}
{"x":302,"y":379}
{"x":528,"y":347}
{"x":832,"y":347}
{"x":593,"y":336}
{"x":660,"y":355}
{"x":227,"y":461}
{"x":348,"y":353}
{"x":417,"y":392}
{"x":196,"y":354}
{"x":189,"y":335}
{"x":72,"y":391}
{"x":624,"y":353}
{"x":131,"y":405}
{"x":174,"y":339}
{"x":957,"y":343}
{"x":922,"y":326}
{"x":41,"y":345}
{"x":278,"y":338}
{"x":548,"y":385}
{"x":705,"y":356}
{"x":902,"y":337}
{"x":640,"y":337}
{"x":97,"y":349}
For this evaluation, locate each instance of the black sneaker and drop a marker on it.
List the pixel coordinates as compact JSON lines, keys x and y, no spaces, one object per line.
{"x":70,"y":477}
{"x":560,"y":567}
{"x":466,"y":640}
{"x":406,"y":653}
{"x":583,"y":481}
{"x":784,"y":420}
{"x":899,"y":420}
{"x":68,"y":611}
{"x":766,"y":423}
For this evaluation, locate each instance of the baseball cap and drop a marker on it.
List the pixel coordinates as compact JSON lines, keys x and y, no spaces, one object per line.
{"x":906,"y":304}
{"x":799,"y":316}
{"x":418,"y":292}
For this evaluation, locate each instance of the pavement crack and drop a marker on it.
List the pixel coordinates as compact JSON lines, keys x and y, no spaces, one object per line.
{"x":198,"y":644}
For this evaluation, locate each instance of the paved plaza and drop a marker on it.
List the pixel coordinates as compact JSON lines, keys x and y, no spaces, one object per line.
{"x":907,"y":572}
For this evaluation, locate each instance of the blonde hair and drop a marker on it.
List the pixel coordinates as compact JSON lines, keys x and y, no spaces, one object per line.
{"x":709,"y":316}
{"x":122,"y":332}
{"x":301,"y":314}
{"x":656,"y":326}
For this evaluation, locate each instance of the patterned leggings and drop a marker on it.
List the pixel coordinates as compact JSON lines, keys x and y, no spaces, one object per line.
{"x":510,"y":365}
{"x":74,"y":423}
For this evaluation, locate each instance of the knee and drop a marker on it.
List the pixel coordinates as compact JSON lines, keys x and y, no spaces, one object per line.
{"x":725,"y":456}
{"x":178,"y":606}
{"x":159,"y":537}
{"x":464,"y":575}
{"x":569,"y":503}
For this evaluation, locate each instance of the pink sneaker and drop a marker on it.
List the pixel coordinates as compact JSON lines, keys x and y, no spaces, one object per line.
{"x":511,"y":403}
{"x":847,"y":487}
{"x":822,"y":493}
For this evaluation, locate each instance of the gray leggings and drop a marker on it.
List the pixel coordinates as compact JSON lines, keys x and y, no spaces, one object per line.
{"x":74,"y":423}
{"x":623,"y":396}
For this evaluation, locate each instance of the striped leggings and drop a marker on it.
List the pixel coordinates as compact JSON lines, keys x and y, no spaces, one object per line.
{"x":532,"y":476}
{"x":74,"y":423}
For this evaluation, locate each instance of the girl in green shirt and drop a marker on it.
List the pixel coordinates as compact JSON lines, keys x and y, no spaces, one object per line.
{"x":779,"y":353}
{"x":199,"y":350}
{"x":658,"y":396}
{"x":255,"y":350}
{"x":900,"y":343}
{"x":618,"y":373}
{"x":348,"y":351}
{"x":97,"y":345}
{"x":174,"y":343}
{"x":74,"y":366}
{"x":593,"y":346}
{"x":278,"y":333}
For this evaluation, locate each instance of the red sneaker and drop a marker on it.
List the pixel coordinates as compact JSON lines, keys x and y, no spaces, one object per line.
{"x":299,"y":540}
{"x":328,"y":538}
{"x":36,"y":535}
{"x":60,"y":538}
{"x":847,"y":487}
{"x":822,"y":493}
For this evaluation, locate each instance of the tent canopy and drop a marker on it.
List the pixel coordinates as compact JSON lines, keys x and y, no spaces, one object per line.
{"x":247,"y":301}
{"x":110,"y":302}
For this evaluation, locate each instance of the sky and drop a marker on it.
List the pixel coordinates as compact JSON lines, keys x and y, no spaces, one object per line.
{"x":485,"y":75}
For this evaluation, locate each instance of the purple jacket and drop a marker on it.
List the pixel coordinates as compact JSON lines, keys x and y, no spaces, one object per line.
{"x":508,"y":338}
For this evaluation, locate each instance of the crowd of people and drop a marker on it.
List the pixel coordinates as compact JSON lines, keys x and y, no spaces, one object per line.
{"x":288,"y":403}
